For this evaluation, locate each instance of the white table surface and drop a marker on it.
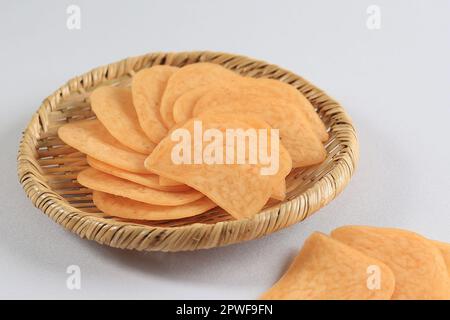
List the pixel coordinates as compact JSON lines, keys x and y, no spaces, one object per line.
{"x":394,"y":82}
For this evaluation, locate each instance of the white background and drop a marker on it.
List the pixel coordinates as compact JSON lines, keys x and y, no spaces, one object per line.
{"x":394,"y":82}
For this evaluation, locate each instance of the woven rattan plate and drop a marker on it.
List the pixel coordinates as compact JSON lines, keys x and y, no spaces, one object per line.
{"x":48,"y":168}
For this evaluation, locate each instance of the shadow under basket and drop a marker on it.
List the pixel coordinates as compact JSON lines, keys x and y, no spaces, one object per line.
{"x":48,"y":168}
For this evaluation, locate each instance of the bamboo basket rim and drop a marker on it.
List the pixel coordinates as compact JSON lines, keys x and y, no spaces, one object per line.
{"x":333,"y":177}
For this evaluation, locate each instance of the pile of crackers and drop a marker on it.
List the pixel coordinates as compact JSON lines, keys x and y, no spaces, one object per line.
{"x":367,"y":263}
{"x":130,"y":145}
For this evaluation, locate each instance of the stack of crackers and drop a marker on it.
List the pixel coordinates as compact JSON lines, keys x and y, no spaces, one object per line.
{"x":131,"y":145}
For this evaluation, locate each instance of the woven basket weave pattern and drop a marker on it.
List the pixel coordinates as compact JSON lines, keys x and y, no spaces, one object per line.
{"x":47,"y":167}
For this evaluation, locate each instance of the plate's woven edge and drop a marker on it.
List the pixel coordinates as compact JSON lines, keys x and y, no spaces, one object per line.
{"x":196,"y":236}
